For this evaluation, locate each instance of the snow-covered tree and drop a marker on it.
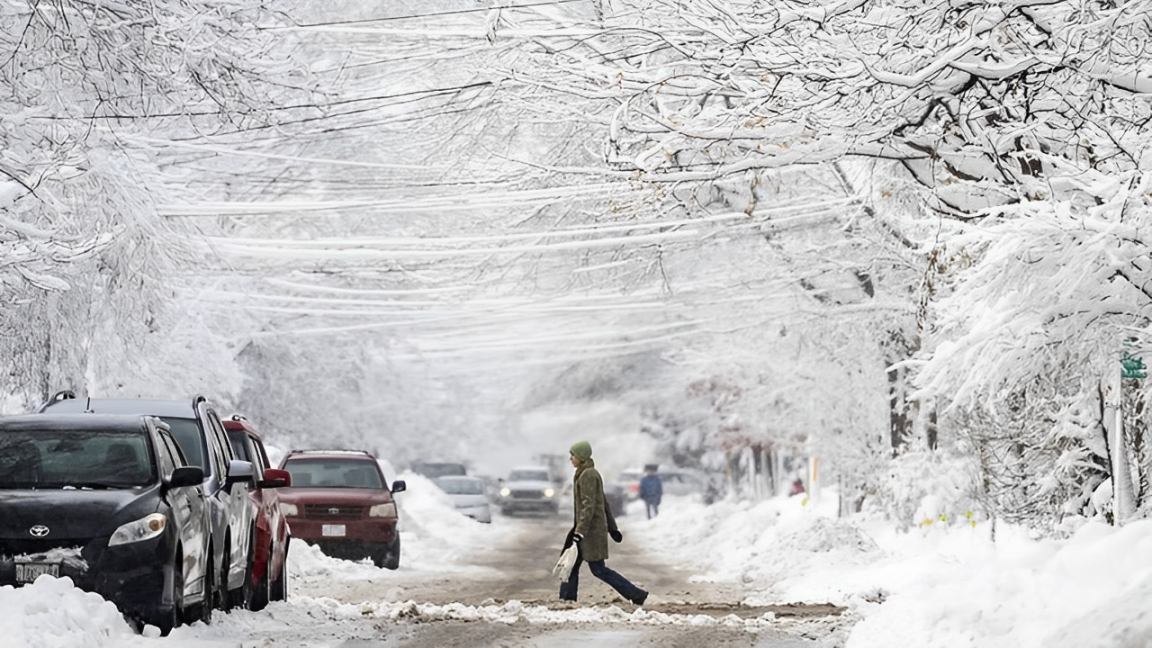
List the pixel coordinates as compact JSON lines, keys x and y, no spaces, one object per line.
{"x":91,"y":92}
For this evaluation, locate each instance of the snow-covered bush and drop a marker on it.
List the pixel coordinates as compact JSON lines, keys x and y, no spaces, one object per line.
{"x":925,"y":487}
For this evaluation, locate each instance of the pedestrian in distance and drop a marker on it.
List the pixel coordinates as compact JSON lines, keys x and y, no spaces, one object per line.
{"x":592,"y":524}
{"x":651,"y":490}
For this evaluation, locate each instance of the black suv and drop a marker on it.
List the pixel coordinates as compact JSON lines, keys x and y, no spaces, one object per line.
{"x":110,"y":502}
{"x":197,"y":428}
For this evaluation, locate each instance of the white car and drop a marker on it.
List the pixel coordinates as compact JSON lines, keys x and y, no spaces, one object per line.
{"x":468,"y":495}
{"x":529,"y":489}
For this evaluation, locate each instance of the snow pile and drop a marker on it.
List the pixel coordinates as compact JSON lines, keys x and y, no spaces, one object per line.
{"x":516,"y":611}
{"x":938,"y":585}
{"x":1022,"y":592}
{"x":752,"y":542}
{"x":53,"y":613}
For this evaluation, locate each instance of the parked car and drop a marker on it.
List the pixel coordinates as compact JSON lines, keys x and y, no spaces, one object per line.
{"x":529,"y":489}
{"x":270,"y":535}
{"x":110,"y":502}
{"x":468,"y":496}
{"x":432,"y":470}
{"x":340,"y":501}
{"x":198,"y":430}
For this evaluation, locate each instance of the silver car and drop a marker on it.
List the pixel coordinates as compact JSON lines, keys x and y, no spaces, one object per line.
{"x":529,"y":489}
{"x":468,"y":496}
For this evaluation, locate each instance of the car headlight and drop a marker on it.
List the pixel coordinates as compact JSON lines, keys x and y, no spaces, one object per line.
{"x":505,"y":492}
{"x":287,"y":509}
{"x":383,"y":510}
{"x":549,"y":492}
{"x":145,"y":528}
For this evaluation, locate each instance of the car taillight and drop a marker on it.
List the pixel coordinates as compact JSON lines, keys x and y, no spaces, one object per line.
{"x":635,"y":488}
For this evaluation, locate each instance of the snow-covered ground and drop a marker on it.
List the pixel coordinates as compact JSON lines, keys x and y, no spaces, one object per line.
{"x":939,"y":585}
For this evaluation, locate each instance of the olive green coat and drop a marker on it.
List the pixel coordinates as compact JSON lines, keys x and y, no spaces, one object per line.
{"x":593,"y":517}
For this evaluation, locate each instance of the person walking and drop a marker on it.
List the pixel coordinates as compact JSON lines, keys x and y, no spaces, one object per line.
{"x":651,"y":490}
{"x":592,"y":524}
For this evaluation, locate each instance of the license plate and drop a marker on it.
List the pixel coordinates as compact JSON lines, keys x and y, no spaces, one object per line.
{"x":333,"y":530}
{"x":28,"y":572}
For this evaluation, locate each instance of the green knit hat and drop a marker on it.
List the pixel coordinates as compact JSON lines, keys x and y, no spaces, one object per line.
{"x":582,"y":450}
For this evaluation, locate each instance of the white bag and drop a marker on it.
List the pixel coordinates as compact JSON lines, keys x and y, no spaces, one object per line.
{"x":563,"y":568}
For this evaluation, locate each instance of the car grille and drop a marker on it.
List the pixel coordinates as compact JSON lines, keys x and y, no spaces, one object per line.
{"x":527,"y":494}
{"x":333,"y":512}
{"x":27,"y":547}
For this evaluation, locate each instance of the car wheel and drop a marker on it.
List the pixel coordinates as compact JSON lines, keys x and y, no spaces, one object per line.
{"x":243,"y":597}
{"x":221,"y":598}
{"x":278,"y":588}
{"x":389,"y":558}
{"x":174,"y":617}
{"x":209,"y":603}
{"x":258,"y":599}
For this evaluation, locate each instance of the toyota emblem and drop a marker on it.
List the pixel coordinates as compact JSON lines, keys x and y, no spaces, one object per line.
{"x":38,"y":531}
{"x":331,"y":511}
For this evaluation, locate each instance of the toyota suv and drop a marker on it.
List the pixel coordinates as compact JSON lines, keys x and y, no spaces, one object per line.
{"x":340,"y":501}
{"x":197,"y":429}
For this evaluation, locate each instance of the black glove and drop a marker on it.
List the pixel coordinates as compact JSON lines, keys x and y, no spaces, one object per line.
{"x":616,"y":535}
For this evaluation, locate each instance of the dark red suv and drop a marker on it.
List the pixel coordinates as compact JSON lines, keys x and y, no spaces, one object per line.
{"x":268,"y":549}
{"x":340,"y":501}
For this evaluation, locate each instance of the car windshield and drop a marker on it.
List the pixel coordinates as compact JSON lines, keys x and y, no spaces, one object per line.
{"x":461,"y":486}
{"x":528,"y":475}
{"x":75,"y":459}
{"x":187,"y":434}
{"x":329,"y":473}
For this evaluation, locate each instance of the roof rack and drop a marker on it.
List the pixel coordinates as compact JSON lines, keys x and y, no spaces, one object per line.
{"x":332,"y":451}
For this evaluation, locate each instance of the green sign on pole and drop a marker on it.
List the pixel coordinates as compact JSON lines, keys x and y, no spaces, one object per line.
{"x":1131,"y":366}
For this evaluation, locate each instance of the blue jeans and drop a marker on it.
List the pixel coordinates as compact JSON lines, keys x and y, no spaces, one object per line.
{"x":601,"y":571}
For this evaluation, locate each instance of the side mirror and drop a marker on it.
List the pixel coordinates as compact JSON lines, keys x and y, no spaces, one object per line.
{"x":239,"y":471}
{"x":399,"y":486}
{"x":275,"y":478}
{"x":185,"y":476}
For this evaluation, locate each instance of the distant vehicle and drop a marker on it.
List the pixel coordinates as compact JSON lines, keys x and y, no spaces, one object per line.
{"x":340,"y":502}
{"x":197,"y":428}
{"x":468,"y":495}
{"x":432,"y":470}
{"x":110,"y":502}
{"x":529,"y":489}
{"x":268,"y":550}
{"x":613,"y":493}
{"x":674,"y":481}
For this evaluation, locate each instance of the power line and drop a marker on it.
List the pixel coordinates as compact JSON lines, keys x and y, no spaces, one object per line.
{"x":430,"y":15}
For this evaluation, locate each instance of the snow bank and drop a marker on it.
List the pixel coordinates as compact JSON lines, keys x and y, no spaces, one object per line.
{"x":52,"y":613}
{"x":939,"y":585}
